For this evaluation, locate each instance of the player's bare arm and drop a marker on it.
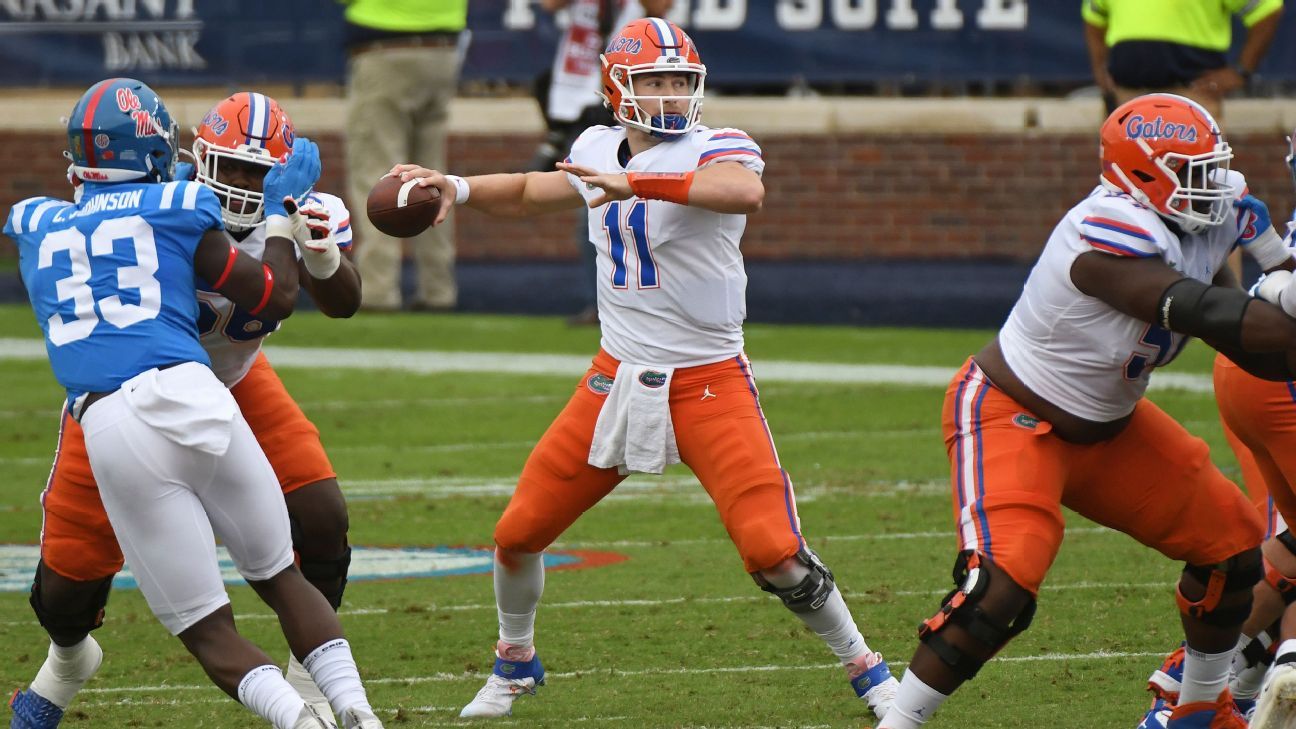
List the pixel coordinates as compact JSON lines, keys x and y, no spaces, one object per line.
{"x":266,"y":288}
{"x":506,"y":195}
{"x":338,"y":296}
{"x":1150,"y":290}
{"x":724,"y":187}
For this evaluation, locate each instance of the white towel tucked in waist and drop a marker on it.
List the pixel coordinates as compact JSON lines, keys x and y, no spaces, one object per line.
{"x":634,"y":432}
{"x":187,"y":404}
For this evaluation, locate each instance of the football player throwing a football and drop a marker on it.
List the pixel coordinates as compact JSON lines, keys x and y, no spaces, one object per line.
{"x":668,"y":200}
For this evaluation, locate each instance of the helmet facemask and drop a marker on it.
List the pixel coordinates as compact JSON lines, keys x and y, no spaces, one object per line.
{"x":242,"y":208}
{"x":1198,"y":202}
{"x":645,"y":112}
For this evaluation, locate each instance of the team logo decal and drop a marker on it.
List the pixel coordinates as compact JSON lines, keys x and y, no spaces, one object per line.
{"x":288,"y":135}
{"x":652,"y":379}
{"x":101,"y":141}
{"x":18,"y":563}
{"x":622,"y":43}
{"x":599,"y":384}
{"x":127,"y":100}
{"x":1158,"y":128}
{"x":215,"y":122}
{"x":1023,"y":420}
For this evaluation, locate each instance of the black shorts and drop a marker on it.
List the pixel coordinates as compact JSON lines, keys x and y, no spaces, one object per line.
{"x":1160,"y":64}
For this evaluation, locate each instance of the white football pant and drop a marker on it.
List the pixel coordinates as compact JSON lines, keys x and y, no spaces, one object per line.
{"x":177,"y":466}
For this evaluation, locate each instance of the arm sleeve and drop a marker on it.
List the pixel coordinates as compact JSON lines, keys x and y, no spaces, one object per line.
{"x":207,"y":205}
{"x":1094,"y":12}
{"x":732,"y":145}
{"x":1254,"y":11}
{"x":1115,"y":230}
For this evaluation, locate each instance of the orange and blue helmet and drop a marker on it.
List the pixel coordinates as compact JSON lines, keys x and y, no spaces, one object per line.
{"x":1167,"y":152}
{"x":250,"y":128}
{"x":119,"y":131}
{"x":647,"y":46}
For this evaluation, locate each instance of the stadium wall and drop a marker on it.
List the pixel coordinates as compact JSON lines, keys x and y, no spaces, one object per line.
{"x":858,"y":190}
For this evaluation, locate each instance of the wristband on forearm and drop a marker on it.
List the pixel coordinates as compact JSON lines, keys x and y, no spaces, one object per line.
{"x":279,"y":226}
{"x":668,"y":186}
{"x":1267,"y":249}
{"x":461,"y":188}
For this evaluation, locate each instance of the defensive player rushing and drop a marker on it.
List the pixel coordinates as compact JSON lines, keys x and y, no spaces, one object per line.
{"x":111,"y":279}
{"x":1051,"y":412}
{"x":668,"y":200}
{"x":236,"y":145}
{"x":1260,"y":423}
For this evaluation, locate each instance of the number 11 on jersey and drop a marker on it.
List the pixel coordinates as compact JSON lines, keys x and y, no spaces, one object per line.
{"x":635,"y":226}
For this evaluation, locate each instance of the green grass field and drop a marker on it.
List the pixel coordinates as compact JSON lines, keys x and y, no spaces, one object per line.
{"x":674,"y":636}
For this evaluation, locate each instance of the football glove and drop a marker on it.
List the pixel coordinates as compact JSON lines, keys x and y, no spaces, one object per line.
{"x":293,"y":178}
{"x":314,"y":237}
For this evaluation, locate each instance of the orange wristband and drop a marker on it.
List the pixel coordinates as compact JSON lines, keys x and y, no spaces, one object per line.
{"x":668,"y":186}
{"x":229,"y":266}
{"x":269,"y":289}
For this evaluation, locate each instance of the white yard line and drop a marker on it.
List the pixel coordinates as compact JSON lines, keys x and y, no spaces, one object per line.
{"x":607,"y":671}
{"x":524,"y":363}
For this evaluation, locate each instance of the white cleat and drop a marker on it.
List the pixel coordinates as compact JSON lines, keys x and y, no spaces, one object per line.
{"x":1276,"y":708}
{"x":496,"y":698}
{"x":359,"y":719}
{"x":310,"y":719}
{"x":873,"y":682}
{"x":881,"y":697}
{"x":300,"y":679}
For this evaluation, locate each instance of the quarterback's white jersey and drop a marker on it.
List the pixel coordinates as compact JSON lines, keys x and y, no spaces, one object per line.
{"x":672,"y":289}
{"x":231,"y":336}
{"x":1078,"y":352}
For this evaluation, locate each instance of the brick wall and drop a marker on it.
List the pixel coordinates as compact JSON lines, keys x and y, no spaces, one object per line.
{"x":855,"y":195}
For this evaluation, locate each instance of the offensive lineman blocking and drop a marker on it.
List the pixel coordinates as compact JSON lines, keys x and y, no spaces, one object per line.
{"x":668,"y":200}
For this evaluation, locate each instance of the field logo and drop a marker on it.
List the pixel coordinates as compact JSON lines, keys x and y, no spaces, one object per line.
{"x":18,"y":564}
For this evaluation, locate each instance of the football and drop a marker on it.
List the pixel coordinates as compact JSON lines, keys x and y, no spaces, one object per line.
{"x":402,"y":209}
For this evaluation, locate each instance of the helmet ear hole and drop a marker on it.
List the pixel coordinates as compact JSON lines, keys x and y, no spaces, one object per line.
{"x":1143,"y":176}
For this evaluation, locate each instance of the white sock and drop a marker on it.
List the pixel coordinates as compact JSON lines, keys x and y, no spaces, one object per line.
{"x":66,"y":670}
{"x":517,"y":593}
{"x":334,"y":671}
{"x":1205,"y":675}
{"x":265,"y":692}
{"x":914,"y":705}
{"x":832,"y":622}
{"x":1284,"y":648}
{"x":1247,"y":678}
{"x":300,"y":679}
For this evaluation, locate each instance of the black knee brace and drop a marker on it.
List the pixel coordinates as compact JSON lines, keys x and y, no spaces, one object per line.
{"x":1234,"y":577}
{"x":811,"y":592}
{"x":1284,"y":585}
{"x":960,"y":608}
{"x":70,"y":625}
{"x":317,"y":570}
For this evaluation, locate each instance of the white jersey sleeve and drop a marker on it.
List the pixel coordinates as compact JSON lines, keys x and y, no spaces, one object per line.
{"x":339,"y":217}
{"x":731,"y":145}
{"x":1077,"y":351}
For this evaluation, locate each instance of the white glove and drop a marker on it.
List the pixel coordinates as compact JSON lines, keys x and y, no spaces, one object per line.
{"x":314,"y":237}
{"x":1279,"y":289}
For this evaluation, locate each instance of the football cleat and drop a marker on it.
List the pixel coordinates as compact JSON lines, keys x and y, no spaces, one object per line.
{"x":310,"y":719}
{"x":300,"y":679}
{"x":1217,"y":714}
{"x":873,"y":682}
{"x":1276,"y":705}
{"x":1158,"y":716}
{"x":354,"y":718}
{"x":508,"y":680}
{"x":1165,"y":682}
{"x":33,"y":711}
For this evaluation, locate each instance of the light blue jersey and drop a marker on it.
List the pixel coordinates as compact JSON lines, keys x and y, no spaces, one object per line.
{"x":111,"y":278}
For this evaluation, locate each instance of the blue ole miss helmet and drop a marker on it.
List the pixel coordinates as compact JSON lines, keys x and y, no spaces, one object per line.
{"x":120,"y":130}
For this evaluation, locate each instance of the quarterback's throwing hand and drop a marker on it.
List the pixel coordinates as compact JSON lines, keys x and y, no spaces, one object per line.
{"x":614,"y":186}
{"x":429,"y":178}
